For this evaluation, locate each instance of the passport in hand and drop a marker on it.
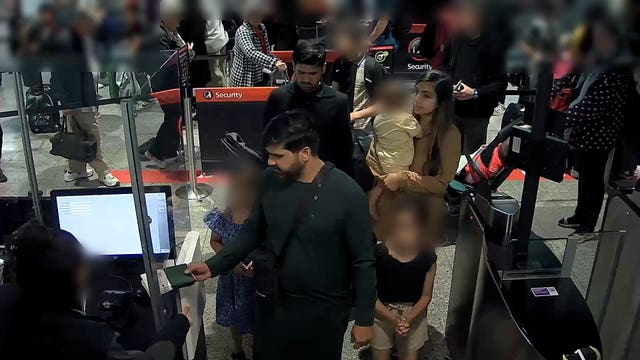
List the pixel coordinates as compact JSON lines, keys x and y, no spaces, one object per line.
{"x":177,"y":278}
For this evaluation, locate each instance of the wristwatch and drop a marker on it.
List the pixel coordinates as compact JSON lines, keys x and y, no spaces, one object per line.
{"x":475,"y":93}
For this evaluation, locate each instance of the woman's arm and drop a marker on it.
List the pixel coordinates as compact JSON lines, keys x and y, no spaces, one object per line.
{"x":216,"y":242}
{"x":381,"y":25}
{"x":450,"y":147}
{"x":427,"y":293}
{"x":384,"y":312}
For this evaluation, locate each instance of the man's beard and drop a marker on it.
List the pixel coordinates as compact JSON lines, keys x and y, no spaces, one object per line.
{"x":293,"y":173}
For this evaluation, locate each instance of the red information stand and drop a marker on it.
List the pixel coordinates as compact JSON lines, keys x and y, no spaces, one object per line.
{"x":222,"y":110}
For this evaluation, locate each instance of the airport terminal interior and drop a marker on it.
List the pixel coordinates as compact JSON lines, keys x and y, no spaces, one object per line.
{"x":555,"y":201}
{"x":521,"y":275}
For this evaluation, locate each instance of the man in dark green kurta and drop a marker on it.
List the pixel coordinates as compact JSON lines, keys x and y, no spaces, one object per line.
{"x":329,"y":257}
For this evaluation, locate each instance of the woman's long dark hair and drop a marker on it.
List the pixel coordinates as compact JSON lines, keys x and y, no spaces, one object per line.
{"x":443,"y":117}
{"x":45,"y":263}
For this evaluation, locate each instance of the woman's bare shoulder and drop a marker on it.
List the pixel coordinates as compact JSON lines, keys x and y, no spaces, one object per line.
{"x":452,"y":134}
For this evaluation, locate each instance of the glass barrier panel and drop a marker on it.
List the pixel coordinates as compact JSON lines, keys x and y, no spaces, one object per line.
{"x":16,"y":200}
{"x":573,"y":256}
{"x":542,"y":258}
{"x":168,"y":162}
{"x":83,"y":176}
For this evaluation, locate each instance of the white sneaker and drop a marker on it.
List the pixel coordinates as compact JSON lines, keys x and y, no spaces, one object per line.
{"x":69,"y":176}
{"x":110,"y":181}
{"x":140,"y":105}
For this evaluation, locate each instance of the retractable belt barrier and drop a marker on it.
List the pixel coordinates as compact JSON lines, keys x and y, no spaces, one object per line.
{"x":222,"y":110}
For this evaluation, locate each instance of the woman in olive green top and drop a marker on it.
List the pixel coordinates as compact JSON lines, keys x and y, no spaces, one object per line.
{"x":436,"y":153}
{"x":329,"y":258}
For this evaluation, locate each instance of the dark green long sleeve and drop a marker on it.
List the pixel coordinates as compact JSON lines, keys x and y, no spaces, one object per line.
{"x":362,"y":255}
{"x":330,"y":254}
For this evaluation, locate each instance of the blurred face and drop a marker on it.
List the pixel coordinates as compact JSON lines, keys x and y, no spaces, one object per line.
{"x":85,"y":26}
{"x":408,"y":232}
{"x":308,"y":77}
{"x":469,"y":20}
{"x":47,"y":18}
{"x":242,"y":185}
{"x":347,"y":46}
{"x":604,"y":43}
{"x":288,"y":164}
{"x":254,"y":18}
{"x":171,"y":22}
{"x":426,"y":100}
{"x":393,"y":96}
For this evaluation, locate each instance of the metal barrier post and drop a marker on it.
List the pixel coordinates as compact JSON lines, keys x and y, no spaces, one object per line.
{"x":26,"y":145}
{"x":140,"y":204}
{"x":192,"y":190}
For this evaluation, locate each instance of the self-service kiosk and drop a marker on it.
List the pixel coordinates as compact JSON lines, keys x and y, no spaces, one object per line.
{"x":512,"y":295}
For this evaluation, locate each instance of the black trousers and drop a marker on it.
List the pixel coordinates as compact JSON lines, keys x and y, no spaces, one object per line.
{"x":590,"y":166}
{"x":167,"y":141}
{"x":299,"y":329}
{"x":474,"y":132}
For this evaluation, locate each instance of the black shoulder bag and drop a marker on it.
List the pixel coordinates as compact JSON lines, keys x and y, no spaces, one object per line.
{"x":267,"y":265}
{"x":73,"y":146}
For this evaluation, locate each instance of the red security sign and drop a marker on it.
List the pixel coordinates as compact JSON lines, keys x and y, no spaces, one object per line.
{"x":245,"y":94}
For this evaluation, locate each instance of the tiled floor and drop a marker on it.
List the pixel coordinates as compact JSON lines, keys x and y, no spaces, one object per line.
{"x":554,"y":201}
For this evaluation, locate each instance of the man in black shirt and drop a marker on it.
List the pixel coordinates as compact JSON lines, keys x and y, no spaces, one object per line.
{"x":477,"y":62}
{"x":193,"y":29}
{"x":322,"y":235}
{"x":355,"y":73}
{"x":329,"y":107}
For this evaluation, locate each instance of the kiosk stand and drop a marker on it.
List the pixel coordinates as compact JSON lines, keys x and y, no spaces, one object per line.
{"x":512,"y":282}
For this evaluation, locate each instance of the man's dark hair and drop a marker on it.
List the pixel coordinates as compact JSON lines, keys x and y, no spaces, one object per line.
{"x":416,"y":204}
{"x":309,"y":53}
{"x":45,"y":261}
{"x":294,"y":130}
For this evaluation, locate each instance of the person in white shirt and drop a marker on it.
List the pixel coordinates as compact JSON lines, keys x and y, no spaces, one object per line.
{"x":216,"y":41}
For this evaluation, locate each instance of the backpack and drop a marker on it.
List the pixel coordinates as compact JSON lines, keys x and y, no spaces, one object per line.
{"x":42,"y":120}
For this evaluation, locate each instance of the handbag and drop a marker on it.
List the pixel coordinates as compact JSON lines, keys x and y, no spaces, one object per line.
{"x":562,"y":100}
{"x":267,"y":265}
{"x":73,"y":146}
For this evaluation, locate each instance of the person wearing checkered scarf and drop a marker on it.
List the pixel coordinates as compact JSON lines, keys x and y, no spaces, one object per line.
{"x":252,"y":53}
